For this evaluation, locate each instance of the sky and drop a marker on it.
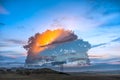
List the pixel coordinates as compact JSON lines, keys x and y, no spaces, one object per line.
{"x":95,"y":21}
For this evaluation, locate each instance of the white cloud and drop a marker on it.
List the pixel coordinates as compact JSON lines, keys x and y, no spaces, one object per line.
{"x":109,"y":50}
{"x":82,"y":23}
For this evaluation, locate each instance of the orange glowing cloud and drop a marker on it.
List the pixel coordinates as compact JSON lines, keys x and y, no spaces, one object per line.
{"x":42,"y":41}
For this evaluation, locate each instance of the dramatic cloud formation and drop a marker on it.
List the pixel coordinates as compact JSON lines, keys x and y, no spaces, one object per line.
{"x":47,"y":39}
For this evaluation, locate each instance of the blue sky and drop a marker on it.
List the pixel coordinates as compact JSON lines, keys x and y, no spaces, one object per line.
{"x":95,"y":21}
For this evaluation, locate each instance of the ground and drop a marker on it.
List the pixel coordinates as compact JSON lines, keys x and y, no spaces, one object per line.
{"x":53,"y":75}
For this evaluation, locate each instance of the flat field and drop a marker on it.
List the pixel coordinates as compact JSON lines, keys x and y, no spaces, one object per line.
{"x":54,"y":75}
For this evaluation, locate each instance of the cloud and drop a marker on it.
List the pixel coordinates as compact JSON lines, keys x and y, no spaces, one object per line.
{"x":12,"y":54}
{"x":98,"y":45}
{"x":2,"y":24}
{"x":75,"y":23}
{"x":14,"y":41}
{"x":4,"y":52}
{"x":97,"y":59}
{"x":116,"y":40}
{"x":102,"y":35}
{"x":42,"y":41}
{"x":93,"y":56}
{"x":12,"y":48}
{"x":8,"y":44}
{"x":3,"y":10}
{"x":102,"y":44}
{"x":4,"y":45}
{"x":82,"y":23}
{"x":11,"y":59}
{"x":114,"y":62}
{"x":4,"y":57}
{"x":108,"y":51}
{"x":86,"y":18}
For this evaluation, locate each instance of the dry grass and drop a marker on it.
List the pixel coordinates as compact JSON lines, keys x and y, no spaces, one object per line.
{"x":48,"y":76}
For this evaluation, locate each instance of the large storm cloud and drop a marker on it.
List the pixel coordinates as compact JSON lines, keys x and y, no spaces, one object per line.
{"x":55,"y":42}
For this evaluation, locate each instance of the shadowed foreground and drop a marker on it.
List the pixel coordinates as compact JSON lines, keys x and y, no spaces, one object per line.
{"x":48,"y":74}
